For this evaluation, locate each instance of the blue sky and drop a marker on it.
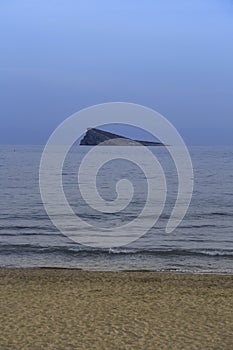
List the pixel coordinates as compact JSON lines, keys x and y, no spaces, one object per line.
{"x":175,"y":56}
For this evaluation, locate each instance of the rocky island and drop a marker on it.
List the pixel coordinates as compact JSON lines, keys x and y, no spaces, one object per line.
{"x":94,"y":137}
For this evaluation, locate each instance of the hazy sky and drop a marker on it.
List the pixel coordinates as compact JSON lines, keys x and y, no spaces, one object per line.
{"x":58,"y":56}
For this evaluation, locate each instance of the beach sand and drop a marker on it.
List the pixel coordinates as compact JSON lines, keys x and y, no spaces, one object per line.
{"x":73,"y":309}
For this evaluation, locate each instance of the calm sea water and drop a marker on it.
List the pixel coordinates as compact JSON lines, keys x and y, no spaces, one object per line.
{"x":202,"y":243}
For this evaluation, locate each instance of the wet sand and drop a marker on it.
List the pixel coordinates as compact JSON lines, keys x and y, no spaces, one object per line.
{"x":66,"y":309}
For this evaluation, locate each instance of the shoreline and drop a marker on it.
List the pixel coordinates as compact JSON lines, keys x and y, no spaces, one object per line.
{"x":60,"y":308}
{"x":115,"y":270}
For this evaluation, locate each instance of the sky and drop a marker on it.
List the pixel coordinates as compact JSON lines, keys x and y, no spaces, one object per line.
{"x":59,"y":56}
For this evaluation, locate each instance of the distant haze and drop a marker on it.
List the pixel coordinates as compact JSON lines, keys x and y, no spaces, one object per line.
{"x":175,"y":56}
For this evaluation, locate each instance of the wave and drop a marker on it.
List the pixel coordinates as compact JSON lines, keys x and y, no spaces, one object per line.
{"x":79,"y":250}
{"x":174,"y":251}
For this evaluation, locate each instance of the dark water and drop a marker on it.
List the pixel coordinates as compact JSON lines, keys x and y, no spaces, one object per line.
{"x":202,"y":243}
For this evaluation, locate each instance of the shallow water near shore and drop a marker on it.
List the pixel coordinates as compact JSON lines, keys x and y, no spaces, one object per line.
{"x":202,"y":243}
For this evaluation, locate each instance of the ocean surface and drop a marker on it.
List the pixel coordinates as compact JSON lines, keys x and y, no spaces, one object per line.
{"x":203,"y":242}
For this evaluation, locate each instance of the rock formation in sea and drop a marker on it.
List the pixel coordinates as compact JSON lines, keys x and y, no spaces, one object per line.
{"x":94,"y":137}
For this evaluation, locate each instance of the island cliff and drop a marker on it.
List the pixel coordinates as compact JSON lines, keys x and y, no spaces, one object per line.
{"x":94,"y":137}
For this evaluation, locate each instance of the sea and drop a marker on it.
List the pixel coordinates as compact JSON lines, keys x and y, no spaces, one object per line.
{"x":202,"y":243}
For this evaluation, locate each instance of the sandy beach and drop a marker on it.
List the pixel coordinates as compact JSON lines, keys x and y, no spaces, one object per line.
{"x":74,"y":309}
